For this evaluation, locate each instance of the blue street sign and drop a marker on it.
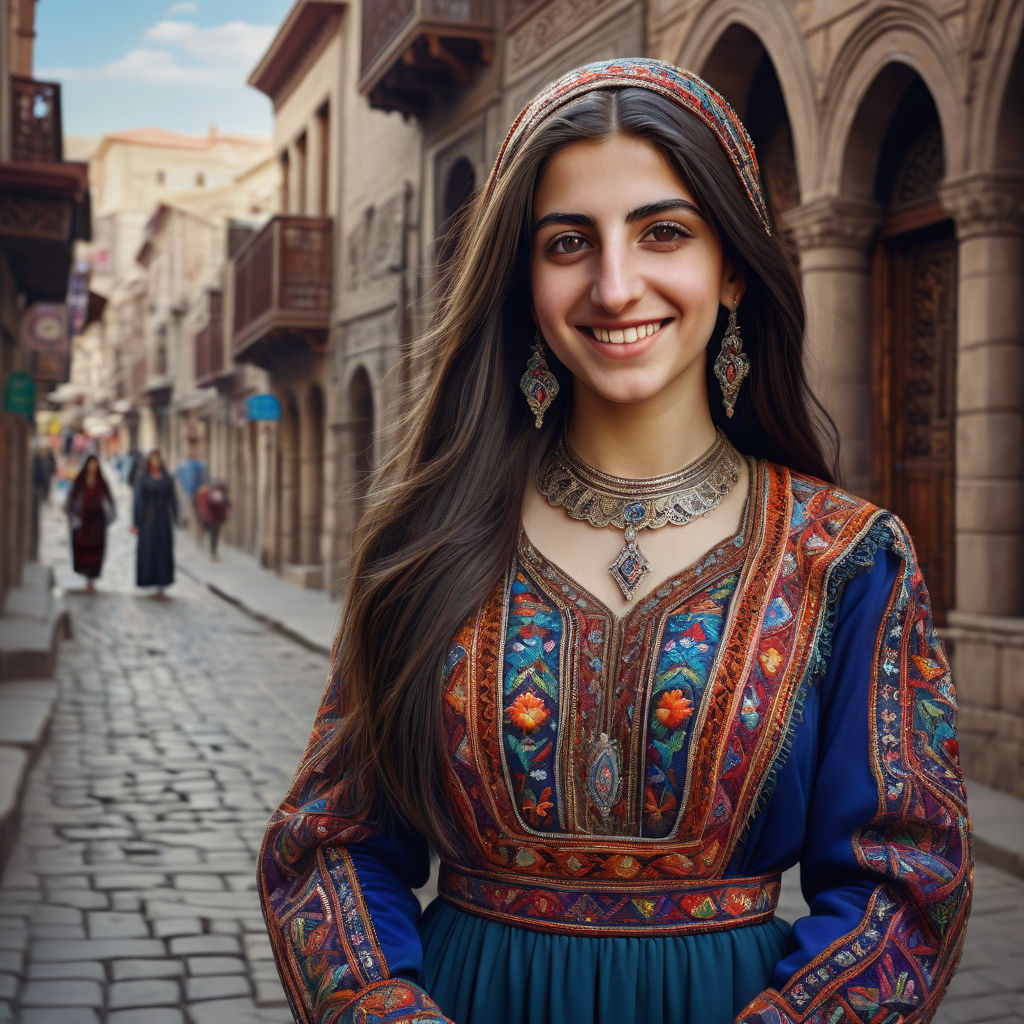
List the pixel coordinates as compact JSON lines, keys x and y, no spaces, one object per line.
{"x":263,"y":407}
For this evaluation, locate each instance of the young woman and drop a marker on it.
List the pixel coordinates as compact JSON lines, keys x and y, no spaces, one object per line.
{"x":155,"y":514}
{"x":90,"y":510}
{"x":615,"y":764}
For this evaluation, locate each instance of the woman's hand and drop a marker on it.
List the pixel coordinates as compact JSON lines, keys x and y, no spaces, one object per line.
{"x":133,"y":529}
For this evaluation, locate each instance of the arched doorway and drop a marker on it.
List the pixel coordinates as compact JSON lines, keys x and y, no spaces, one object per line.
{"x":459,"y":185}
{"x":914,"y":302}
{"x":361,"y":431}
{"x":312,"y":476}
{"x":740,"y":68}
{"x":288,"y":494}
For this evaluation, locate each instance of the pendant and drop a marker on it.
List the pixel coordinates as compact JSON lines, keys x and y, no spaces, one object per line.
{"x":631,"y":566}
{"x":604,"y":779}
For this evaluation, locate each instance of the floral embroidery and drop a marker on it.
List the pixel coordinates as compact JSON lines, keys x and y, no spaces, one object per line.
{"x":529,"y":712}
{"x":673,"y":709}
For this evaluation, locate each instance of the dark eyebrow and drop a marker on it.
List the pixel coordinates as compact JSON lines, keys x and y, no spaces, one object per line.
{"x":578,"y":220}
{"x":642,"y":212}
{"x":581,"y":220}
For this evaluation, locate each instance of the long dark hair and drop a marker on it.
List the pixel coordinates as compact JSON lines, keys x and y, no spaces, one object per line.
{"x":446,"y":504}
{"x":78,"y":484}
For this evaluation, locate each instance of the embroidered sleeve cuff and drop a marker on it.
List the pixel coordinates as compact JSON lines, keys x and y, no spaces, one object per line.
{"x":768,"y":1008}
{"x":764,"y":1009}
{"x":392,"y":1001}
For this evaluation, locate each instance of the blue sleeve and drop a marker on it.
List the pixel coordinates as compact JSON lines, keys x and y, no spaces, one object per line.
{"x":886,"y":867}
{"x":335,"y":886}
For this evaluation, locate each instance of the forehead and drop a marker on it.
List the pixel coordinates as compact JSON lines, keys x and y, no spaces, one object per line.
{"x":619,"y":172}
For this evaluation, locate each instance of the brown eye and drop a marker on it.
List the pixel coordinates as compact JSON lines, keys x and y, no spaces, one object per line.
{"x":568,"y":245}
{"x":666,"y":232}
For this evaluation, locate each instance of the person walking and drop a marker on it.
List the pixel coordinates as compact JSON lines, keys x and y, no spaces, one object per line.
{"x":191,"y":474}
{"x":90,"y":510}
{"x":155,"y":513}
{"x":212,"y":508}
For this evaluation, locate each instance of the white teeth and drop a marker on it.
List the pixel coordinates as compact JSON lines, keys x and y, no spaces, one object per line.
{"x":626,"y":335}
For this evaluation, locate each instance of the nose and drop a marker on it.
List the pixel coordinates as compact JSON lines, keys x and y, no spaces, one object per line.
{"x":618,"y":282}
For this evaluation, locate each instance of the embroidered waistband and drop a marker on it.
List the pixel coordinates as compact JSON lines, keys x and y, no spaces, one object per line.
{"x":574,"y":908}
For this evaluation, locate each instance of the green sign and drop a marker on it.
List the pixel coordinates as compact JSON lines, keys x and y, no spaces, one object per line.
{"x":20,"y":394}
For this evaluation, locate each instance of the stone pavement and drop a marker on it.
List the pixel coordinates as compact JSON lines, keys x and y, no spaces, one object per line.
{"x":130,"y":897}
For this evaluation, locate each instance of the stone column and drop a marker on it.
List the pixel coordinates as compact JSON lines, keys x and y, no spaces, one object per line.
{"x":988,"y":210}
{"x":832,"y":237}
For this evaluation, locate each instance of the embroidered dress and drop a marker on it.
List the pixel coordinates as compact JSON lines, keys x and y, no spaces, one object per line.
{"x":629,"y":789}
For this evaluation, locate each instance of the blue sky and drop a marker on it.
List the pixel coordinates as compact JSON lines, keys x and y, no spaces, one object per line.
{"x":175,"y":64}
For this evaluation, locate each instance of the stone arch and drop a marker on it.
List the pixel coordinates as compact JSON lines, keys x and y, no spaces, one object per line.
{"x":889,"y":103}
{"x":997,"y":135}
{"x":865,"y":86}
{"x":459,"y":186}
{"x":778,"y":38}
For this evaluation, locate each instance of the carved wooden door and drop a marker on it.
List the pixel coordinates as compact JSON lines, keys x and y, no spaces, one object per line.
{"x":915,"y":379}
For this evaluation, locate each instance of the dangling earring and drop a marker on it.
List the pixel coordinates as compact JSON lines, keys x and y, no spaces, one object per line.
{"x":732,"y":364}
{"x":538,"y":383}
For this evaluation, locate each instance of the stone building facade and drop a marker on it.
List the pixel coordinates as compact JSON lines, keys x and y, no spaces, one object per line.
{"x":43,"y":211}
{"x":892,"y":148}
{"x":891,"y":139}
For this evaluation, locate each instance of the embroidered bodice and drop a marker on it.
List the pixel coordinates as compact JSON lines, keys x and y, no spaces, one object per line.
{"x":784,"y":699}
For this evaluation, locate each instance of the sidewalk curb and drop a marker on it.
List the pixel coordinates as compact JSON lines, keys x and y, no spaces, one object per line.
{"x":275,"y":624}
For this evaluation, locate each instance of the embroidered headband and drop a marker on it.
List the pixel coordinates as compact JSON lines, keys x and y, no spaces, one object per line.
{"x":689,"y":91}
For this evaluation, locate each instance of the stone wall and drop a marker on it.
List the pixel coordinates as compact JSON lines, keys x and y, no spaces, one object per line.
{"x":988,"y":668}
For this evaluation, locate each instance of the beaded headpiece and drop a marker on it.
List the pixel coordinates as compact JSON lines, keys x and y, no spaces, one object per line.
{"x":689,"y":91}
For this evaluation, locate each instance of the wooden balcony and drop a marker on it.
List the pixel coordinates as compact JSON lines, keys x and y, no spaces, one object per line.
{"x":44,"y":202}
{"x":211,"y":365}
{"x":416,"y":52}
{"x":283,"y":290}
{"x":35,"y":121}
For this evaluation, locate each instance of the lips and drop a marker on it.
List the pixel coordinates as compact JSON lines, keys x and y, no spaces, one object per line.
{"x":625,"y":335}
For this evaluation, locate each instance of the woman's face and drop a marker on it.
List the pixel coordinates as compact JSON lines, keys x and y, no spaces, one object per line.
{"x":627,"y":274}
{"x":154,"y":462}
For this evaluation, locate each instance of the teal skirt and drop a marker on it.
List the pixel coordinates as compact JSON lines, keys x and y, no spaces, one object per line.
{"x":482,"y":972}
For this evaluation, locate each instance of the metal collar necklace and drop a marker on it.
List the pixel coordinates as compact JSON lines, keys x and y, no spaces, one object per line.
{"x":648,"y":503}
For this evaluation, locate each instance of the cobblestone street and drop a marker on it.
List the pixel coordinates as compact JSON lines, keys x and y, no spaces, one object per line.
{"x":130,"y":894}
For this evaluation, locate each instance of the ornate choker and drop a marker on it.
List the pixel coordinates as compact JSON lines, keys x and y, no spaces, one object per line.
{"x":648,"y":503}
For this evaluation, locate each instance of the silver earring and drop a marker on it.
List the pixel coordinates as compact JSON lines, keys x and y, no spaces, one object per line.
{"x":538,"y":383}
{"x":732,"y":364}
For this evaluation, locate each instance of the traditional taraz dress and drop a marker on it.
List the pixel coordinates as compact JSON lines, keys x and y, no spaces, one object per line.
{"x":629,"y":789}
{"x":90,"y":511}
{"x":155,"y":513}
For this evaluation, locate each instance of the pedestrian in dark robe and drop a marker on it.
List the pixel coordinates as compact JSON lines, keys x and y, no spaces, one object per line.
{"x":155,"y":515}
{"x":90,"y":510}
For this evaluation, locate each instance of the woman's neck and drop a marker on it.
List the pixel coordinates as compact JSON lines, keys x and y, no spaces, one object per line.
{"x":639,"y":439}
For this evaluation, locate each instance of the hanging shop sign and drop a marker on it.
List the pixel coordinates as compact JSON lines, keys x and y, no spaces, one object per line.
{"x":263,"y":407}
{"x":78,"y":296}
{"x":44,"y":334}
{"x":20,"y":395}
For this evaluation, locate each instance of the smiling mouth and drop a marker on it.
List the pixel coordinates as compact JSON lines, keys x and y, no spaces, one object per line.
{"x":624,"y":335}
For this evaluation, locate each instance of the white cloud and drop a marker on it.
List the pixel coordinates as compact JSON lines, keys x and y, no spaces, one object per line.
{"x":236,"y":44}
{"x":182,"y":52}
{"x":145,"y":65}
{"x":57,"y":74}
{"x":182,"y":8}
